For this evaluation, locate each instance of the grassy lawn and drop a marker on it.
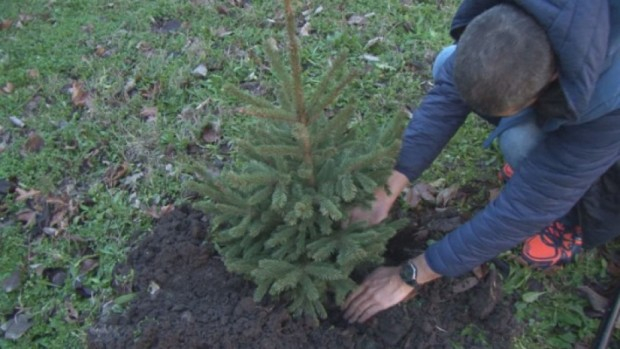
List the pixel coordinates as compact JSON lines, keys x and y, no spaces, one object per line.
{"x":103,"y":104}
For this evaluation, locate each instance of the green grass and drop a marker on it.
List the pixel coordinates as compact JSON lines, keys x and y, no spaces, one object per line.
{"x":126,"y":65}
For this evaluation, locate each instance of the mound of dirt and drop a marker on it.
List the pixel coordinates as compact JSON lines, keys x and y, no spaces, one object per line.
{"x":185,"y":298}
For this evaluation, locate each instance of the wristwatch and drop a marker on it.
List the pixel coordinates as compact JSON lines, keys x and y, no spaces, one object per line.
{"x":409,"y":274}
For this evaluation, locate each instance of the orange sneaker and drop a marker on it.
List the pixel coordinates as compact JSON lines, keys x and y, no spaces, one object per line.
{"x":555,"y":245}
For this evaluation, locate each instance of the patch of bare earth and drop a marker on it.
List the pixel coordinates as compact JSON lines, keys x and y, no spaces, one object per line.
{"x":187,"y":299}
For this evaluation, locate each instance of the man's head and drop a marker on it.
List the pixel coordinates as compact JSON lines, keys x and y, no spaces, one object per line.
{"x":503,"y":61}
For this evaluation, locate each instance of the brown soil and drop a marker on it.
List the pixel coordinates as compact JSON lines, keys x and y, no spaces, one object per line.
{"x":185,"y":298}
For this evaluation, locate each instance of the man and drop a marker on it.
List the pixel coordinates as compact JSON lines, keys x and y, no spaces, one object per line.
{"x":547,"y":73}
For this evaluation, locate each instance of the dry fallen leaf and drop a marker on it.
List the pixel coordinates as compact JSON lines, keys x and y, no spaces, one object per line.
{"x":412,"y":198}
{"x":166,"y":26}
{"x":130,"y":87}
{"x":114,"y":173}
{"x":166,"y":209}
{"x":200,"y":71}
{"x":156,"y":213}
{"x":12,"y":282}
{"x":370,"y":58}
{"x":419,"y":192}
{"x":8,"y":88}
{"x":426,"y":191}
{"x":88,"y":265}
{"x":305,"y":29}
{"x":153,"y":288}
{"x":372,"y":42}
{"x":5,"y":140}
{"x":306,"y":13}
{"x":144,"y":47}
{"x":60,"y":219}
{"x":34,"y":144}
{"x":51,"y":232}
{"x":222,"y":32}
{"x":239,"y":3}
{"x":223,"y":10}
{"x":6,"y":24}
{"x":33,"y":73}
{"x":153,"y":212}
{"x":438,"y":183}
{"x":494,"y":193}
{"x":481,"y":271}
{"x":17,"y":326}
{"x":23,"y":195}
{"x":356,"y":20}
{"x":17,"y":121}
{"x":72,"y":315}
{"x":446,"y":195}
{"x":211,"y":133}
{"x":25,"y":18}
{"x":28,"y":216}
{"x":57,"y":276}
{"x":32,"y":106}
{"x":152,"y":91}
{"x":421,"y":235}
{"x":79,"y":96}
{"x":101,"y":51}
{"x":88,"y":28}
{"x":465,"y":284}
{"x":149,"y":114}
{"x":63,"y":209}
{"x":598,"y":302}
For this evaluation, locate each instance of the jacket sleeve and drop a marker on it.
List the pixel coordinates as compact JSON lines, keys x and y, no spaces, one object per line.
{"x":434,"y":122}
{"x":546,"y":186}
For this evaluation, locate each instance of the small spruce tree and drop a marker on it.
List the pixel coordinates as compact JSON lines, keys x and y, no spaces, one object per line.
{"x":279,"y":212}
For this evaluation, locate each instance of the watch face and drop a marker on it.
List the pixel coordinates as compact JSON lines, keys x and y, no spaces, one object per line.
{"x":409,"y":273}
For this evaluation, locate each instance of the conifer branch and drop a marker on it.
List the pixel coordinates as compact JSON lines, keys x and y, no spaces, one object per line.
{"x":310,"y":289}
{"x":300,"y":107}
{"x":295,"y":63}
{"x":336,"y":125}
{"x":280,"y":72}
{"x":246,"y":97}
{"x":394,"y":127}
{"x":245,"y":179}
{"x":332,"y":74}
{"x":307,"y":145}
{"x":269,"y":113}
{"x":330,"y":97}
{"x":368,"y":159}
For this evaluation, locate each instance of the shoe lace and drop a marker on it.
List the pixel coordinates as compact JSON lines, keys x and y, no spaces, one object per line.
{"x":556,"y":235}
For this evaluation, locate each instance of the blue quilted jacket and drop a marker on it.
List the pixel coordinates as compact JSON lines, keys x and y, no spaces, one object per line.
{"x":581,"y":144}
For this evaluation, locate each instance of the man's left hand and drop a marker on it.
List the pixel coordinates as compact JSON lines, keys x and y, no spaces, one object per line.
{"x":382,"y":289}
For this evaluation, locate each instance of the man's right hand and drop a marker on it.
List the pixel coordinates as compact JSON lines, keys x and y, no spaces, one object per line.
{"x":374,"y":215}
{"x":383,"y":201}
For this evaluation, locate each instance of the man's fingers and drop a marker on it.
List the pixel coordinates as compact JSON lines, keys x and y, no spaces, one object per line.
{"x":370,"y":312}
{"x":358,"y":310}
{"x":353,"y":295}
{"x":353,"y":308}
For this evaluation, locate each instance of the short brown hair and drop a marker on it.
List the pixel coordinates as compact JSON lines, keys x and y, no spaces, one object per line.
{"x":503,"y":60}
